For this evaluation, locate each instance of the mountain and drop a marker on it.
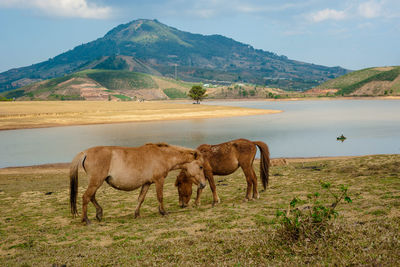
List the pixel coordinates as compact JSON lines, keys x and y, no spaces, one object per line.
{"x":149,"y":46}
{"x":379,"y":81}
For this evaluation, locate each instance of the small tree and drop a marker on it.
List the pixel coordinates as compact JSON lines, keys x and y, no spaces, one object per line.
{"x":197,"y":93}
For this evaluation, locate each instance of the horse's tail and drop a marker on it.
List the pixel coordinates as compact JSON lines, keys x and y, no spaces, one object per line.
{"x":264,"y":162}
{"x":73,"y":178}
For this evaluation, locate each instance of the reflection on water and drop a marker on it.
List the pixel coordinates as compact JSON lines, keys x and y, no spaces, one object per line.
{"x":304,"y":129}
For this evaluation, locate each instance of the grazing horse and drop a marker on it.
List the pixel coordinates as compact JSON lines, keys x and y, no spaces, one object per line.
{"x":128,"y":168}
{"x":224,"y":159}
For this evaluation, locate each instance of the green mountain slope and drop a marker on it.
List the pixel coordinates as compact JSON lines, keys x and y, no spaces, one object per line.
{"x":99,"y":84}
{"x":365,"y":82}
{"x":151,"y":47}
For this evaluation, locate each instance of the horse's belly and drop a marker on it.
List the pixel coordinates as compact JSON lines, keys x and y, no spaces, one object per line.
{"x":127,"y":183}
{"x":225,"y":167}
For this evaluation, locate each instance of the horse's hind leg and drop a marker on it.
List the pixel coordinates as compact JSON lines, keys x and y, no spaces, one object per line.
{"x":249,"y":179}
{"x":99,"y":209}
{"x":256,"y":195}
{"x":88,"y":195}
{"x":141,"y":197}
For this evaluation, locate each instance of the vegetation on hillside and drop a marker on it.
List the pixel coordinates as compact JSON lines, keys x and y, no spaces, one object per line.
{"x":373,"y":78}
{"x":113,"y":63}
{"x":115,"y":80}
{"x":174,"y":93}
{"x":68,"y":87}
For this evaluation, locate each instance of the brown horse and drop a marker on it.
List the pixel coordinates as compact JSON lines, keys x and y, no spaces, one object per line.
{"x":224,"y":159}
{"x":128,"y":168}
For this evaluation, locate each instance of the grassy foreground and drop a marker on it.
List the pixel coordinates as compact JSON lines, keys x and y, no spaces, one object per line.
{"x":33,"y":114}
{"x":36,"y":228}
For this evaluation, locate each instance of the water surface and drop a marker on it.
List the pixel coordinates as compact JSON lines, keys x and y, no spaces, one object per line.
{"x":304,"y":129}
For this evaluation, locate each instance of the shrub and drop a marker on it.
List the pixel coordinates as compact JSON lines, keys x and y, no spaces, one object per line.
{"x":312,"y":221}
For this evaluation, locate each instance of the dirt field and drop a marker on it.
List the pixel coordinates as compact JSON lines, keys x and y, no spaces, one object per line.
{"x":34,"y":114}
{"x":36,"y":228}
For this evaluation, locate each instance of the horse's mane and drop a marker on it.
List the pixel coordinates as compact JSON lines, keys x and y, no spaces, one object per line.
{"x":161,"y":144}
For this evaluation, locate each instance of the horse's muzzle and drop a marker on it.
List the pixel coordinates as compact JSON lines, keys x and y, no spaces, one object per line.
{"x":202,"y":185}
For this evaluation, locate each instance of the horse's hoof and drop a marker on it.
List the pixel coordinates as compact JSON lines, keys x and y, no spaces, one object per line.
{"x":162,"y":212}
{"x":99,"y":216}
{"x":137,"y":214}
{"x":86,"y":221}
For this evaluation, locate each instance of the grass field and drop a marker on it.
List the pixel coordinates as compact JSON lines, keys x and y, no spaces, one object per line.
{"x":32,"y":114}
{"x":36,"y":229}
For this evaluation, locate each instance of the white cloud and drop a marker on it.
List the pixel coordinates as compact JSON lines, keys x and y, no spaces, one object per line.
{"x":370,"y":9}
{"x":328,"y":14}
{"x":63,"y":8}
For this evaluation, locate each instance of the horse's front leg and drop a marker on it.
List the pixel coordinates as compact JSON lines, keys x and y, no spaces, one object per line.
{"x":197,"y":201}
{"x":211,"y":182}
{"x":141,"y":197}
{"x":159,"y":190}
{"x":210,"y":177}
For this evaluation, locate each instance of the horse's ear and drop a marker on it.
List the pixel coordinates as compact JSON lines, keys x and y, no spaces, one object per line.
{"x":196,"y":155}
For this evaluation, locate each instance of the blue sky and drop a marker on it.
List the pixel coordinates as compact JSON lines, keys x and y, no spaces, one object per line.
{"x":352,"y":34}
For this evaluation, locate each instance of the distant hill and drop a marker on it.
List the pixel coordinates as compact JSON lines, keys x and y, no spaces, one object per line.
{"x":123,"y":85}
{"x":379,"y":81}
{"x":102,"y":84}
{"x":148,"y":46}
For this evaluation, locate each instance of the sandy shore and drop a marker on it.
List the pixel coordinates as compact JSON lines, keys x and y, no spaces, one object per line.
{"x":40,"y":114}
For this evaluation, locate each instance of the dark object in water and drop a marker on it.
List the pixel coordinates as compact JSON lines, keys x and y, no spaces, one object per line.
{"x":341,"y":138}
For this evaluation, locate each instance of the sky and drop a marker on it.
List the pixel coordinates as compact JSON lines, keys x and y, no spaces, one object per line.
{"x":353,"y":34}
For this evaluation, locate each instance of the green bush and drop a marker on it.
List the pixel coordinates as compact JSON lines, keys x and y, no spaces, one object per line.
{"x":2,"y":98}
{"x":311,"y":221}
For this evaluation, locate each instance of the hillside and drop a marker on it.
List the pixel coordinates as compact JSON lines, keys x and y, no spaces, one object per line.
{"x":379,"y":81}
{"x":148,"y":46}
{"x":99,"y":85}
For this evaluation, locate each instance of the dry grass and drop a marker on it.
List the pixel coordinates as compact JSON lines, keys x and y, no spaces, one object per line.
{"x":17,"y":115}
{"x":37,"y":230}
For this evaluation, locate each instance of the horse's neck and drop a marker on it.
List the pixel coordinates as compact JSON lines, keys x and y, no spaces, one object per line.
{"x":176,"y":161}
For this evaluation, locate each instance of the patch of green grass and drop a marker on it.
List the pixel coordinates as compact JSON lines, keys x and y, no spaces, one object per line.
{"x":118,"y":79}
{"x":123,"y":97}
{"x":174,"y":93}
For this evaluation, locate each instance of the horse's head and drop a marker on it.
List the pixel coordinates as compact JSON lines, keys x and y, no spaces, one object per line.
{"x":184,"y":185}
{"x":192,"y":173}
{"x":194,"y":170}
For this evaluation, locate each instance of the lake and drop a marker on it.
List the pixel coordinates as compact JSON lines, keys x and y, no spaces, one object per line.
{"x":304,"y":129}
